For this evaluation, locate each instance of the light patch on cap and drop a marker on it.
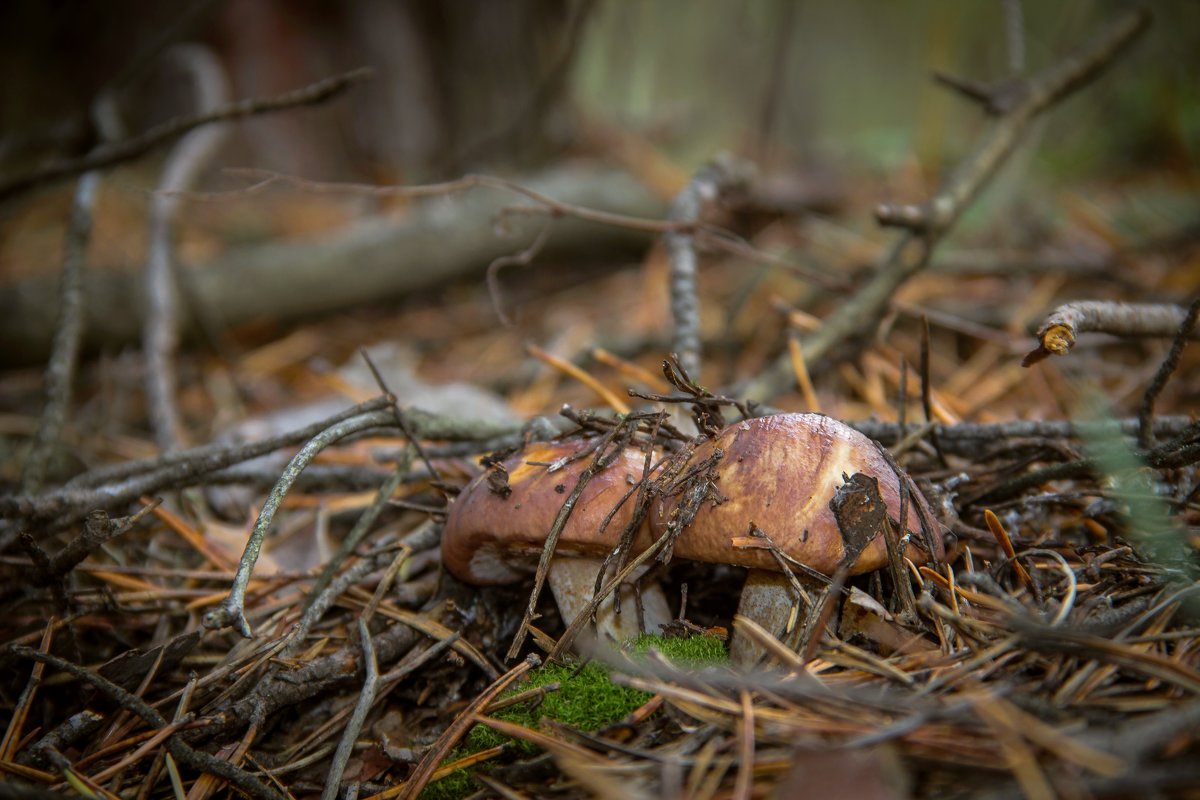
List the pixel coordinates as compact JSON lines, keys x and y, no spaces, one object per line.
{"x":838,"y":460}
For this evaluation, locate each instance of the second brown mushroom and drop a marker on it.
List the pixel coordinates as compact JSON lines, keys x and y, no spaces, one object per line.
{"x":779,"y":473}
{"x":496,"y":530}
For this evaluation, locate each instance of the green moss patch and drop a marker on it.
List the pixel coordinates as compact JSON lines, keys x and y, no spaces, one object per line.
{"x":455,"y":786}
{"x":585,"y":698}
{"x":692,"y":652}
{"x":582,"y":697}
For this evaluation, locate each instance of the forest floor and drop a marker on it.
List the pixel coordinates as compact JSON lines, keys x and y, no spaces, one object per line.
{"x":1053,"y":650}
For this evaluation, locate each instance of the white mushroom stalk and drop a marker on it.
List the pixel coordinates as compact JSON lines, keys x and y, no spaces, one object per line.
{"x":572,"y":581}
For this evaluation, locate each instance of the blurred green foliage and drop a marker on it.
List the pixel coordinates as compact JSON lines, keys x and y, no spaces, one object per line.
{"x":848,"y":80}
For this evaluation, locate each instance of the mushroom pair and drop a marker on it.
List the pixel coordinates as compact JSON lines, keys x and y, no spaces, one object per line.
{"x":778,"y":472}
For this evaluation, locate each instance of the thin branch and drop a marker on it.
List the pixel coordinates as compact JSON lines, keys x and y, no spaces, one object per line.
{"x":345,"y":746}
{"x":74,"y":728}
{"x":708,"y":235}
{"x":109,"y":154}
{"x":231,"y":611}
{"x":1146,"y":411}
{"x":280,"y":691}
{"x":97,"y":530}
{"x":1041,"y":92}
{"x":424,"y":423}
{"x":927,"y":391}
{"x":181,"y":750}
{"x":111,"y":488}
{"x":1009,"y":262}
{"x":321,"y":602}
{"x":401,"y":417}
{"x":968,"y":438}
{"x":521,"y":259}
{"x":996,"y":99}
{"x":1179,"y":452}
{"x":60,"y":372}
{"x":362,"y":525}
{"x":545,"y":203}
{"x":860,"y":315}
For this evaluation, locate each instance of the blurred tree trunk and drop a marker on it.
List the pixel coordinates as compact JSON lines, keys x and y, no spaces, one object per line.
{"x":456,"y":84}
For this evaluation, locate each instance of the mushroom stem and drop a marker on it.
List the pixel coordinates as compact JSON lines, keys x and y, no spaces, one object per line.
{"x":768,"y":599}
{"x":572,"y":581}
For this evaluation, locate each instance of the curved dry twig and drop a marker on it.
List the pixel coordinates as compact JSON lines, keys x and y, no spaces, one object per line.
{"x":160,"y":332}
{"x":60,"y":372}
{"x":232,"y":610}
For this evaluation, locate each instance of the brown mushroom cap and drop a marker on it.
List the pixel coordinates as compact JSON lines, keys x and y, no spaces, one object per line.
{"x":780,"y":473}
{"x":491,"y":538}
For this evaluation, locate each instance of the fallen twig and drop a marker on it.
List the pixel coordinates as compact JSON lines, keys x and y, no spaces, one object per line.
{"x":60,"y":372}
{"x":118,"y":486}
{"x":1146,"y":410}
{"x":967,"y":438}
{"x":126,"y":149}
{"x":706,"y":187}
{"x":1058,"y":332}
{"x":178,"y":748}
{"x":345,"y":748}
{"x":231,"y":611}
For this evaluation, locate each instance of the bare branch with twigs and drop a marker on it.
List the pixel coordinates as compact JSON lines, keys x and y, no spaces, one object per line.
{"x":929,"y":223}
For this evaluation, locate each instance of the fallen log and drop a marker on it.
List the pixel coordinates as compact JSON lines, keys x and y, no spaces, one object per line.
{"x":441,"y":239}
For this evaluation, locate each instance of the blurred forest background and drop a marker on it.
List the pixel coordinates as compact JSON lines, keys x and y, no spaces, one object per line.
{"x":833,"y":103}
{"x":819,"y":89}
{"x":460,"y":85}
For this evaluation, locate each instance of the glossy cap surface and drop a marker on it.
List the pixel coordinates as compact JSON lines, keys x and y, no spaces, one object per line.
{"x":780,"y":472}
